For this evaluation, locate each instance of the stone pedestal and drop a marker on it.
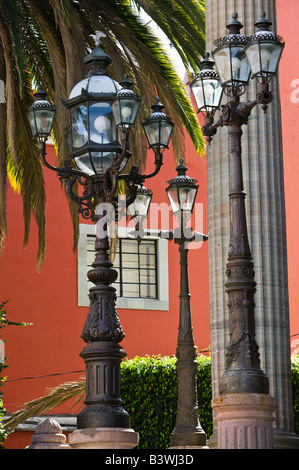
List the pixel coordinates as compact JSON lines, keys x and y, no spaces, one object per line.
{"x":48,"y":435}
{"x":245,"y":420}
{"x":103,"y":438}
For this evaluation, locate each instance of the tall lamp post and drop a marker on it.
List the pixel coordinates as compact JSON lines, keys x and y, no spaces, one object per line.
{"x":181,"y":192}
{"x":102,"y":113}
{"x":237,"y":58}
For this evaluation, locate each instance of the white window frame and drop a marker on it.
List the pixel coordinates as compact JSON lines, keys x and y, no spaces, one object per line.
{"x":161,"y":303}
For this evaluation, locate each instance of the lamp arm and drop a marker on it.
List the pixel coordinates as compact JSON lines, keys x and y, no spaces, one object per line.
{"x":70,"y":176}
{"x":64,"y":171}
{"x":158,"y":163}
{"x":111,"y":176}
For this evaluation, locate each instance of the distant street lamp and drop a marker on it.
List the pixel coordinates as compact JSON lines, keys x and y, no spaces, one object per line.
{"x":181,"y":192}
{"x":237,"y":58}
{"x":102,"y":113}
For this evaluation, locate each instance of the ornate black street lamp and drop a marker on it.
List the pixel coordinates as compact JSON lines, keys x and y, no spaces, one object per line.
{"x":102,"y":113}
{"x":181,"y":192}
{"x":237,"y":58}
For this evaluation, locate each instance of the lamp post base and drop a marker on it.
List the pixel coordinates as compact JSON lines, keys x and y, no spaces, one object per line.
{"x":103,"y":438}
{"x":104,"y":406}
{"x":188,"y":439}
{"x":245,"y":420}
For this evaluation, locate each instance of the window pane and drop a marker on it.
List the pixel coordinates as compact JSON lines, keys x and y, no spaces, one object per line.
{"x":129,"y":260}
{"x":147,"y":261}
{"x":147,"y":247}
{"x":129,"y":246}
{"x":130,"y":290}
{"x":148,"y":291}
{"x":130,"y":275}
{"x":148,"y":276}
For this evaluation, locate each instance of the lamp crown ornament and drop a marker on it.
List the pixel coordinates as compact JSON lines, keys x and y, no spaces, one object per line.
{"x":234,"y":36}
{"x":206,"y":67}
{"x":97,"y":37}
{"x":234,"y":26}
{"x":97,"y":60}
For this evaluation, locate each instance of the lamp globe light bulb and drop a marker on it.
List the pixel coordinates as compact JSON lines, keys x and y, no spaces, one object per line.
{"x":101,"y":124}
{"x":126,"y":112}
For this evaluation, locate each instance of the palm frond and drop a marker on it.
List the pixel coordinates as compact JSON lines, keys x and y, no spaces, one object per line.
{"x":47,"y":41}
{"x":55,"y":396}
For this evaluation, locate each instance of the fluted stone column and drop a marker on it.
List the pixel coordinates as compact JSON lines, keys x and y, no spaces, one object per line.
{"x":262,"y":160}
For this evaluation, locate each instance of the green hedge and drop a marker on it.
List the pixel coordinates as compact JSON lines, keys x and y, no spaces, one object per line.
{"x":295,"y":381}
{"x":149,"y":392}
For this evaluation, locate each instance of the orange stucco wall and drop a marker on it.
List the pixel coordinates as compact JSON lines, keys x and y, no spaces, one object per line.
{"x":288,"y":18}
{"x":49,"y":299}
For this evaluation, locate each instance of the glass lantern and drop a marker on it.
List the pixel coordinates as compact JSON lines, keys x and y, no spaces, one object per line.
{"x":158,"y":128}
{"x":126,"y":105}
{"x":93,"y":136}
{"x":182,"y":191}
{"x":264,"y":50}
{"x":140,"y":207}
{"x":206,"y":88}
{"x":230,"y":57}
{"x":41,"y":116}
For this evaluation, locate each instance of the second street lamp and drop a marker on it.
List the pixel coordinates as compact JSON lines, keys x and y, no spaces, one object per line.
{"x":188,"y":432}
{"x":181,"y":192}
{"x":243,"y":372}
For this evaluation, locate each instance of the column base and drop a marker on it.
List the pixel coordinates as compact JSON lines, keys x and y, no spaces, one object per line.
{"x":103,"y":438}
{"x":245,"y":420}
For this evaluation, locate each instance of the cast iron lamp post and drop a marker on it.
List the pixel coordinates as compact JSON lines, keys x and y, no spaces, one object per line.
{"x":181,"y":192}
{"x":101,"y":115}
{"x":237,"y":58}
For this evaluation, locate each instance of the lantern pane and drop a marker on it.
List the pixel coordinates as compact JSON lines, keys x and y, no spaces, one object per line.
{"x":240,"y":67}
{"x":212,"y":93}
{"x":125,"y":111}
{"x":172,"y":194}
{"x":152,"y":130}
{"x":197,"y":89}
{"x":84,"y":164}
{"x":32,"y":123}
{"x":102,"y":161}
{"x":140,"y":206}
{"x":79,"y":132}
{"x":187,"y":198}
{"x":270,"y":56}
{"x":252,"y":53}
{"x":165,"y":133}
{"x":41,"y":121}
{"x":222,"y":61}
{"x":102,"y":127}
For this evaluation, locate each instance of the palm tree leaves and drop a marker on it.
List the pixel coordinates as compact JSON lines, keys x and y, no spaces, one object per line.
{"x":68,"y":391}
{"x":47,"y":40}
